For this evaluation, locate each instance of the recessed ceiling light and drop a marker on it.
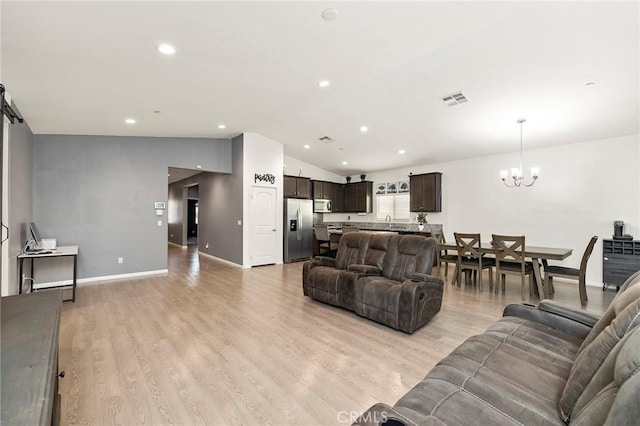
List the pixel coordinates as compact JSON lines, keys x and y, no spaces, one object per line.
{"x":590,"y":84}
{"x":401,"y":151}
{"x":166,"y":49}
{"x":157,"y":111}
{"x":323,"y":83}
{"x":130,"y":121}
{"x":329,"y":14}
{"x":364,"y":129}
{"x":344,"y":163}
{"x":222,"y":126}
{"x":307,"y":146}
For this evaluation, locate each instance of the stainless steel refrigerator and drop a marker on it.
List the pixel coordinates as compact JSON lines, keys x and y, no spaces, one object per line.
{"x":298,"y":226}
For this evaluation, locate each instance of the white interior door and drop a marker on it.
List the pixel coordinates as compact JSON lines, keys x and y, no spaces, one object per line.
{"x":263,"y":226}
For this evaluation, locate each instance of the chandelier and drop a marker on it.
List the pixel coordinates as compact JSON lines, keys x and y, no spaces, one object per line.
{"x":516,"y":173}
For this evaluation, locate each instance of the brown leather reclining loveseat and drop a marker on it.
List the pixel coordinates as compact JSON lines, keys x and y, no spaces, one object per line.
{"x":544,"y":365}
{"x":383,"y":277}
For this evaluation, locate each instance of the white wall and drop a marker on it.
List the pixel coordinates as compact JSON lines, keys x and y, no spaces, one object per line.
{"x":583,"y":188}
{"x":292,"y":167}
{"x":261,"y":155}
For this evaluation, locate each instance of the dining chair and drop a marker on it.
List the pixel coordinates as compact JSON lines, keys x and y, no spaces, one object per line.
{"x":324,"y":241}
{"x":551,"y":271}
{"x":445,"y":257}
{"x":470,"y":258}
{"x":510,"y":260}
{"x":349,"y":228}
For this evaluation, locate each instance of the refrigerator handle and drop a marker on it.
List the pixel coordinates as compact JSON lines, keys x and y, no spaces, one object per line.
{"x":299,"y":230}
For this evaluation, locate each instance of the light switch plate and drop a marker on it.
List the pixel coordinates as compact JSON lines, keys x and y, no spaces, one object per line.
{"x":159,"y":212}
{"x":159,"y":223}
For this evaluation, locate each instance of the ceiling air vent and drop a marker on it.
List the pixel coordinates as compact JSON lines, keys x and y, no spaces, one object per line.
{"x":454,"y":99}
{"x":326,"y":139}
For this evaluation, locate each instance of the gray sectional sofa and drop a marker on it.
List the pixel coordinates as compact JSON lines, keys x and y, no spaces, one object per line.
{"x":383,"y":277}
{"x":544,"y":365}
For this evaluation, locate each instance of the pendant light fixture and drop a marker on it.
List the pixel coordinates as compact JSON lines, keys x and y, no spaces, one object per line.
{"x":517,"y":173}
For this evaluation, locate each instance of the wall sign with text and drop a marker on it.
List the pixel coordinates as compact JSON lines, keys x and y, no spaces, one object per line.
{"x":267,"y":177}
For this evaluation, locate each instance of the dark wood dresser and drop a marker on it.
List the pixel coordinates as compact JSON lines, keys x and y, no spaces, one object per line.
{"x":620,"y":260}
{"x":30,"y":326}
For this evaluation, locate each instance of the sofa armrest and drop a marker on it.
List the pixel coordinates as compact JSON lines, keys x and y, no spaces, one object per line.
{"x":560,"y":319}
{"x":584,"y":317}
{"x":383,"y":415}
{"x":419,"y":301}
{"x":365,"y":269}
{"x":419,"y":277}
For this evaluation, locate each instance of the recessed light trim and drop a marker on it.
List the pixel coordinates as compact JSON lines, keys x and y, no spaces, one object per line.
{"x":323,"y":83}
{"x":344,"y":163}
{"x":402,"y":151}
{"x":364,"y":129}
{"x":222,"y":126}
{"x":590,"y":84}
{"x":130,"y":121}
{"x":307,"y":146}
{"x":166,"y":49}
{"x":329,"y":14}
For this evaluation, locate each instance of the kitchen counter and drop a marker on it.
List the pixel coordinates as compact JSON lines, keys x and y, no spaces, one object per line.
{"x":400,"y":228}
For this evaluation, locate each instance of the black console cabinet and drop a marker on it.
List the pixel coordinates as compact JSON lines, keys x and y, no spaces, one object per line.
{"x":620,"y":260}
{"x":30,"y":326}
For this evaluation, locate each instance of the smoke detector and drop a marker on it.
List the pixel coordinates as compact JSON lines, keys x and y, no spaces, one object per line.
{"x":326,"y":139}
{"x":454,"y":99}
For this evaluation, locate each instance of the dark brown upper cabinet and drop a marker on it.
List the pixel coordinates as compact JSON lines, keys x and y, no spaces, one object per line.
{"x":358,"y":197}
{"x":426,"y":192}
{"x":297,"y":187}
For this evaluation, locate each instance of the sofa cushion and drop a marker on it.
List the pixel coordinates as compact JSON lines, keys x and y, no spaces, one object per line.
{"x":408,"y":254}
{"x":352,"y":249}
{"x":377,"y":298}
{"x":490,"y":380}
{"x":377,"y":250}
{"x":617,"y":371}
{"x":622,"y":316}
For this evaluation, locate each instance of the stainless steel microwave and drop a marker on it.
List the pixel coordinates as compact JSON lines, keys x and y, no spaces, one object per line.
{"x":322,"y":206}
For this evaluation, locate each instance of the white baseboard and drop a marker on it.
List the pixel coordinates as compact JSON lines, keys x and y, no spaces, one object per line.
{"x":225,"y":261}
{"x":103,"y":278}
{"x":177,"y":245}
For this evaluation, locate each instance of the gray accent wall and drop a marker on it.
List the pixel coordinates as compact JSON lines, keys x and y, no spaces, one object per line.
{"x":220,"y":209}
{"x":98,"y":192}
{"x":20,"y":208}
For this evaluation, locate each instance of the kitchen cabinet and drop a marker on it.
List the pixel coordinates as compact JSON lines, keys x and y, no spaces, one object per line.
{"x":337,"y":203}
{"x":322,"y":190}
{"x":329,"y":191}
{"x":358,"y":197}
{"x":426,"y":192}
{"x":297,"y":187}
{"x":620,"y":260}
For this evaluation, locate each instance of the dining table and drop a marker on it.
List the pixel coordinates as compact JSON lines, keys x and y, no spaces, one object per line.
{"x":535,"y":253}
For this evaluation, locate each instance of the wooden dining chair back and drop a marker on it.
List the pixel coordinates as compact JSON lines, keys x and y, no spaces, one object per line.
{"x":551,"y":271}
{"x":510,"y":259}
{"x":349,"y":228}
{"x":470,"y":258}
{"x":445,"y":257}
{"x":325,"y":245}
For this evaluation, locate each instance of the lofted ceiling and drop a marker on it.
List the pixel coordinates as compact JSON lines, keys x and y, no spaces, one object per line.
{"x":83,"y":67}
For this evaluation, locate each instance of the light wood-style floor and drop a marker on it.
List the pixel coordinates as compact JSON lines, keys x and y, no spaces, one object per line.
{"x":213,"y":345}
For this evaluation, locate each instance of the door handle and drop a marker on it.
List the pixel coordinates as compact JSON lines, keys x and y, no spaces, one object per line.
{"x":7,"y":228}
